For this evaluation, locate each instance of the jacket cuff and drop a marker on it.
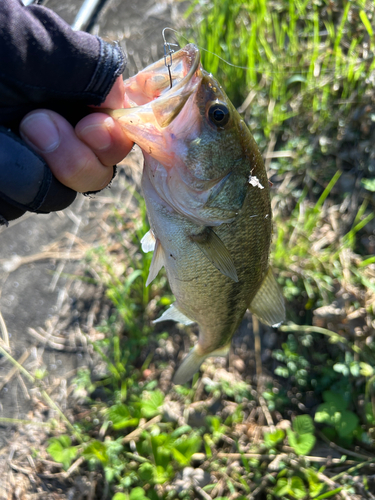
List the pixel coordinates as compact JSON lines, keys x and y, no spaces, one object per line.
{"x":111,"y":64}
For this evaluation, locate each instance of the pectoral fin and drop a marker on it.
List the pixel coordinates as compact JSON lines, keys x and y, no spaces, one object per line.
{"x":148,"y":242}
{"x":268,"y":303}
{"x":157,"y":262}
{"x":174,"y":314}
{"x":216,"y":252}
{"x":192,"y":362}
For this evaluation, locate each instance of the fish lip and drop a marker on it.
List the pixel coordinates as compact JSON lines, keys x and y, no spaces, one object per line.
{"x":168,"y":106}
{"x":193,"y":53}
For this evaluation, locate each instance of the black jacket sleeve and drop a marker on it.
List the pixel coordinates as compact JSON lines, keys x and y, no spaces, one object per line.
{"x":44,"y":64}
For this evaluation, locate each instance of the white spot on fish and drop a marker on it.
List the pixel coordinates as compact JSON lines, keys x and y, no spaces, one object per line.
{"x":254,"y":181}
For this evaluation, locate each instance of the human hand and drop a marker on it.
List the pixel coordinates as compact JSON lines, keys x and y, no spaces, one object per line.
{"x":81,"y":158}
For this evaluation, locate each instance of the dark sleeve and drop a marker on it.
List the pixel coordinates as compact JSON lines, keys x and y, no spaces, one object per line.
{"x":26,"y":182}
{"x":44,"y":63}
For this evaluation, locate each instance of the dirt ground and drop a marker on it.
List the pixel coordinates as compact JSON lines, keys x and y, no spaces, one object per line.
{"x":43,"y":307}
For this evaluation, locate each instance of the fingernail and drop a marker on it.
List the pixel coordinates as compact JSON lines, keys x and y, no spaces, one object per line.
{"x":40,"y":130}
{"x":96,"y":136}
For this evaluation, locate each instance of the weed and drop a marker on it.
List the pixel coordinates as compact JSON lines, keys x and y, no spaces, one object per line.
{"x":62,"y":451}
{"x":302,"y":438}
{"x":334,"y":413}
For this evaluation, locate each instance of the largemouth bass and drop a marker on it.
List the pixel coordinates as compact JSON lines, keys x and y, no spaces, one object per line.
{"x":208,"y":203}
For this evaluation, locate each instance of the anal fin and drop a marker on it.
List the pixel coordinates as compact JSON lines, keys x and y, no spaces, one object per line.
{"x":174,"y":314}
{"x":216,"y":252}
{"x":157,"y":262}
{"x":268,"y":303}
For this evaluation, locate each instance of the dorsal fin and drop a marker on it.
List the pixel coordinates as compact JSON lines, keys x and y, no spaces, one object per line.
{"x":268,"y":303}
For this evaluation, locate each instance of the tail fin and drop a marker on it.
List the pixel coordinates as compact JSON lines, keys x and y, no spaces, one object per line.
{"x":192,"y":362}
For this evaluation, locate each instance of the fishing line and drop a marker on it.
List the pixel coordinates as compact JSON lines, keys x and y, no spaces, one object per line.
{"x":326,"y":72}
{"x":199,"y":47}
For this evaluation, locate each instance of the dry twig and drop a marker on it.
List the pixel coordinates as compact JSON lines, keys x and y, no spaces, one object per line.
{"x":13,"y":371}
{"x":135,"y":434}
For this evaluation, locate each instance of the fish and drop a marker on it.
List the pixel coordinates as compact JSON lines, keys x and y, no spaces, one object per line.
{"x":208,"y":203}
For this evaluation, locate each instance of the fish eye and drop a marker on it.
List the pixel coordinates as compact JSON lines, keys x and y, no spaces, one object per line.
{"x":218,"y":114}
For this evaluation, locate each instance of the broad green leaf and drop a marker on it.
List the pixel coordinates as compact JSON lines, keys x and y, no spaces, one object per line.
{"x":97,"y":451}
{"x":163,"y":474}
{"x":146,"y":472}
{"x":315,"y":484}
{"x":344,"y":421}
{"x":61,"y":450}
{"x":366,"y":370}
{"x":282,"y":371}
{"x":181,"y":459}
{"x":341,"y":368}
{"x":298,"y":488}
{"x":282,"y":487}
{"x":303,"y":424}
{"x":272,"y":438}
{"x":138,"y":493}
{"x":121,"y":417}
{"x":347,"y":423}
{"x":325,"y":413}
{"x":151,"y":402}
{"x":184,"y":449}
{"x":354,"y":368}
{"x":369,"y":184}
{"x":335,"y":400}
{"x":302,"y":444}
{"x":161,"y":445}
{"x":120,"y":496}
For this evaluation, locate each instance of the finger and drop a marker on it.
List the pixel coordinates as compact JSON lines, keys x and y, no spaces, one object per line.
{"x":72,"y":162}
{"x":105,"y":137}
{"x":115,"y":98}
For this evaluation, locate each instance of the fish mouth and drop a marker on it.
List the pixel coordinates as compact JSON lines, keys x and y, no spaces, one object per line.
{"x":167,"y":107}
{"x":155,"y":81}
{"x":151,"y":87}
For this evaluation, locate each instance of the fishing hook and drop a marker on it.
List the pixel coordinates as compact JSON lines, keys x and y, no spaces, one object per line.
{"x":168,"y":51}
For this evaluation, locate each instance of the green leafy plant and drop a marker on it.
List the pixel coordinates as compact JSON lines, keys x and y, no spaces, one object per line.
{"x":334,"y":413}
{"x":292,"y":486}
{"x":294,"y":364}
{"x":302,"y":438}
{"x":136,"y":494}
{"x":62,"y":451}
{"x":272,"y":439}
{"x":151,"y":403}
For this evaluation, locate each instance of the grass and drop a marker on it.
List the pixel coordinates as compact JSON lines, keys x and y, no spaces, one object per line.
{"x":308,"y":59}
{"x":297,"y":424}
